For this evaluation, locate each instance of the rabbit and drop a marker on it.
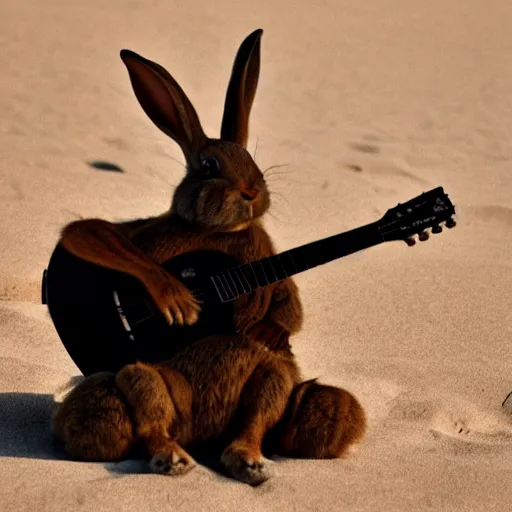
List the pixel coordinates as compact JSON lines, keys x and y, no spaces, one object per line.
{"x":239,"y":392}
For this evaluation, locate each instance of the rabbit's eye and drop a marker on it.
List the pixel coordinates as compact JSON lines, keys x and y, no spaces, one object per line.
{"x":210,"y":167}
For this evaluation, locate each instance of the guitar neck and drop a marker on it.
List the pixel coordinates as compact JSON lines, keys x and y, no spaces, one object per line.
{"x":237,"y":281}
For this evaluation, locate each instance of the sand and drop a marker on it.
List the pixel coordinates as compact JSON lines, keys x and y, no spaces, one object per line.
{"x":369,"y":103}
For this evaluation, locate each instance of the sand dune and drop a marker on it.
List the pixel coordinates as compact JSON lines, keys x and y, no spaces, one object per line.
{"x":368,"y":104}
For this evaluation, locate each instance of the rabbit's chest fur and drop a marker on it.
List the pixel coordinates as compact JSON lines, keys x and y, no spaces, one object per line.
{"x":168,"y":237}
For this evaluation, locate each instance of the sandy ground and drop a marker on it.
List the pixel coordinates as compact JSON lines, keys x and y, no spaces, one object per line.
{"x":369,"y":103}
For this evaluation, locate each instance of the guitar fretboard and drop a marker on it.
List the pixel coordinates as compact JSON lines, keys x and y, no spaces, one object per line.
{"x":234,"y":282}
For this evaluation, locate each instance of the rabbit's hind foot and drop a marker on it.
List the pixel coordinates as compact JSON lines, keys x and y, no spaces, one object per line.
{"x":251,"y":468}
{"x":172,"y":461}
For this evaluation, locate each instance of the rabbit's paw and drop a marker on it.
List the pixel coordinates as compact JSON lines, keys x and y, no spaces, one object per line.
{"x":173,"y":298}
{"x":248,"y":468}
{"x":176,"y":462}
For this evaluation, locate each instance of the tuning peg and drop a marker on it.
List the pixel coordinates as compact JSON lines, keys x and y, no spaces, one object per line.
{"x":410,"y":241}
{"x":450,"y":223}
{"x":423,"y":236}
{"x":437,"y":229}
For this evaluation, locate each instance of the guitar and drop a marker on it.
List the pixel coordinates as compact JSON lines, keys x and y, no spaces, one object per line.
{"x":106,"y":319}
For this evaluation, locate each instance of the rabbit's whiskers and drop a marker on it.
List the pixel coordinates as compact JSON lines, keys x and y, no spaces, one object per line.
{"x":274,"y":216}
{"x":177,"y":160}
{"x":277,"y":166}
{"x":281,"y":197}
{"x":255,"y":149}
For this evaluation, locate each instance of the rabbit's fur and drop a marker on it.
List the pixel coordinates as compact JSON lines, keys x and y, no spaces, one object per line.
{"x":236,"y":391}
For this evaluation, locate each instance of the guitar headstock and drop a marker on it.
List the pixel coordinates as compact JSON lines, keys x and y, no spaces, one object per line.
{"x":427,"y":210}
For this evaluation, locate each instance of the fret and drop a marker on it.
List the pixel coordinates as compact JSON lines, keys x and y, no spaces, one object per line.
{"x":224,"y":291}
{"x":299,"y":257}
{"x":295,"y":269}
{"x":230,"y":291}
{"x":223,"y":288}
{"x":278,"y":256}
{"x":242,"y":288}
{"x":249,"y":275}
{"x":254,"y":271}
{"x":255,"y":276}
{"x":228,"y":272}
{"x":241,"y":269}
{"x":267,"y":264}
{"x":277,"y":267}
{"x":238,"y":284}
{"x":225,"y":285}
{"x":217,"y":288}
{"x":276,"y":278}
{"x":263,"y":272}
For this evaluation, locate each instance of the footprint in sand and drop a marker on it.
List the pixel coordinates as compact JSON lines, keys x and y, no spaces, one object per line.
{"x":488,"y":427}
{"x":364,"y":147}
{"x":465,"y":423}
{"x":386,"y":169}
{"x":448,"y":425}
{"x":19,"y":289}
{"x":380,"y":167}
{"x":406,"y":409}
{"x":354,"y":167}
{"x":118,"y":143}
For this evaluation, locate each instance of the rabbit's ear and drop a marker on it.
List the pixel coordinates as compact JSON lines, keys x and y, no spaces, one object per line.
{"x":164,"y":102}
{"x":241,"y":90}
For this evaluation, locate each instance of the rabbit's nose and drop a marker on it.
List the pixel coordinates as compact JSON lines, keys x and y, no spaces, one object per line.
{"x":249,"y":194}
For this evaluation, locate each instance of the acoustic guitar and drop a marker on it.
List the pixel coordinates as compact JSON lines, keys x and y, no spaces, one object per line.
{"x":107,"y":319}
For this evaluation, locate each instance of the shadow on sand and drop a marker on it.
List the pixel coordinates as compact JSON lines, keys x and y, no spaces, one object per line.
{"x":25,"y":427}
{"x":25,"y":432}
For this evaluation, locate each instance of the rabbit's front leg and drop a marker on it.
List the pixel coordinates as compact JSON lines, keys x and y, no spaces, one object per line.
{"x":156,"y":413}
{"x":285,"y":307}
{"x":107,"y":245}
{"x":283,"y":317}
{"x":262,"y":403}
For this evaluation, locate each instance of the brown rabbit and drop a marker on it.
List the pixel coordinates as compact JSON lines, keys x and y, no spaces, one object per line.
{"x":239,"y":390}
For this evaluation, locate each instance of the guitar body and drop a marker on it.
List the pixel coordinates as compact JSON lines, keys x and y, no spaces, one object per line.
{"x":106,"y":319}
